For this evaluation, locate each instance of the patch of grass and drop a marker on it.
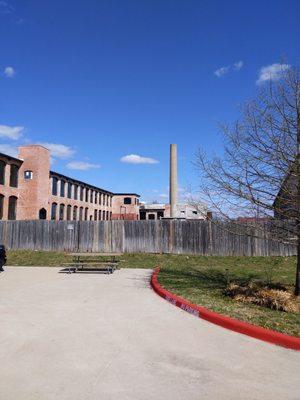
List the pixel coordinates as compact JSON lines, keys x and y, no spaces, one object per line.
{"x":202,"y":280}
{"x":204,"y":285}
{"x":37,"y":258}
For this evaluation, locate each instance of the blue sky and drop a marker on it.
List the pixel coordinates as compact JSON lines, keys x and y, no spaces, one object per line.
{"x":100,"y":81}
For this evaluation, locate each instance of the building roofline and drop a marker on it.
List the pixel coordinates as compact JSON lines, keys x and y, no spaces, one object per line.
{"x":80,"y":182}
{"x":11,"y":157}
{"x":34,"y":145}
{"x":127,"y":194}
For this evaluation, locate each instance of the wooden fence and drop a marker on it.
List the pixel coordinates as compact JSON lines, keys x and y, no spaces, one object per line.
{"x":164,"y":236}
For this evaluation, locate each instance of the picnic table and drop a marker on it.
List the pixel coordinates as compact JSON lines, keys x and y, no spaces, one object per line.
{"x":93,"y":262}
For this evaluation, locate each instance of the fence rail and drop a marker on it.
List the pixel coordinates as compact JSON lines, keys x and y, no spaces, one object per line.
{"x":164,"y":236}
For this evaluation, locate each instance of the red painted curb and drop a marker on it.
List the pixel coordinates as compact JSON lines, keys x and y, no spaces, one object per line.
{"x":257,"y":332}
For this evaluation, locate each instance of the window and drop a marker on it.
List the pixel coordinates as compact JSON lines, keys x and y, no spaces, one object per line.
{"x":86,"y":195}
{"x":69,"y":190}
{"x":1,"y":205}
{"x":110,"y":200}
{"x":86,"y":214}
{"x":54,"y":186}
{"x":107,"y":217}
{"x":69,"y":210}
{"x":75,"y":192}
{"x":80,"y":213}
{"x":81,"y":193}
{"x":195,"y":212}
{"x":103,"y":215}
{"x":96,"y":197}
{"x":91,"y":197}
{"x":2,"y":172}
{"x":53,"y":211}
{"x":62,"y":188}
{"x":103,"y":199}
{"x":127,"y":200}
{"x":95,"y":215}
{"x":107,"y":200}
{"x":160,"y":214}
{"x":100,"y":198}
{"x":151,"y":216}
{"x":12,"y":207}
{"x":28,"y":175}
{"x":42,"y":213}
{"x":75,"y":213}
{"x":14,"y":172}
{"x":99,"y":215}
{"x":61,"y":212}
{"x":110,"y":215}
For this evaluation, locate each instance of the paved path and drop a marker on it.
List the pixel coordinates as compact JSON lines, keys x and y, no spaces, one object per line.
{"x":102,"y":337}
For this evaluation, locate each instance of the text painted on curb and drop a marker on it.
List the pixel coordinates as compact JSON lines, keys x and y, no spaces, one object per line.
{"x":190,"y":310}
{"x":170,"y":300}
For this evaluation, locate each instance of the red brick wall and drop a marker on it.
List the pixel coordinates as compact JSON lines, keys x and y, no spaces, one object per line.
{"x":6,"y":190}
{"x":125,"y":211}
{"x":34,"y":193}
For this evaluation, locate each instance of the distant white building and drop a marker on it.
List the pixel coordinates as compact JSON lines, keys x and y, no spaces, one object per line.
{"x":183,"y":211}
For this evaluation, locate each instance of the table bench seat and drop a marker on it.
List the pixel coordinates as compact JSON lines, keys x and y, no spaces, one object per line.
{"x":107,"y":267}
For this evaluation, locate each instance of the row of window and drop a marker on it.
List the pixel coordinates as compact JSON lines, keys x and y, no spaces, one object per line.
{"x":12,"y":207}
{"x":62,"y":212}
{"x":13,"y":176}
{"x":80,"y":193}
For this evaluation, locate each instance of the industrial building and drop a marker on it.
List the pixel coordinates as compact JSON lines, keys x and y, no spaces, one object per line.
{"x":182,"y":211}
{"x":174,"y":209}
{"x":30,"y":190}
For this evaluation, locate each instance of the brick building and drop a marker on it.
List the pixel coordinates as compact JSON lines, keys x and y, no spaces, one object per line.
{"x":30,"y":190}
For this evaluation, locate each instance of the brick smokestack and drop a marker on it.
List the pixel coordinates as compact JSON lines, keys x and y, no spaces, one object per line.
{"x":173,"y":181}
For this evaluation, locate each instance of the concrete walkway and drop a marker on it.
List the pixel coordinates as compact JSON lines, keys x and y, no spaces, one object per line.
{"x":102,"y":337}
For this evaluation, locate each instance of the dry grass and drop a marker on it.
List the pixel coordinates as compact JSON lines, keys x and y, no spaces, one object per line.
{"x":274,"y":298}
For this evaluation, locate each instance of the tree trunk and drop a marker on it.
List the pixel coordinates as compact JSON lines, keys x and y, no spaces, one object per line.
{"x":297,"y":284}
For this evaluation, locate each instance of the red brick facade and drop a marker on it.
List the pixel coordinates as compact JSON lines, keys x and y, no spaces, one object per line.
{"x":44,"y":194}
{"x":126,"y":206}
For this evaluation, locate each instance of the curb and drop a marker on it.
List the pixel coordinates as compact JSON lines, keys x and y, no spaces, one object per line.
{"x":257,"y":332}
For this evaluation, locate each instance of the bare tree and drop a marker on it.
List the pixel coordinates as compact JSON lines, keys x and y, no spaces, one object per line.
{"x":259,"y":171}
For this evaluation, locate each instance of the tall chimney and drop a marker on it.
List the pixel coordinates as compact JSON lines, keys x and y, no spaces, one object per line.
{"x":173,"y":180}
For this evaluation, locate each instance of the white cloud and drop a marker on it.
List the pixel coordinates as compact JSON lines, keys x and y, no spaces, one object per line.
{"x":11,"y":132}
{"x":59,"y":150}
{"x":221,"y":71}
{"x":238,"y":65}
{"x":9,"y":149}
{"x":6,"y":8}
{"x":163,"y":195}
{"x":136,"y":159}
{"x":9,"y":72}
{"x":271,"y":72}
{"x":224,"y":70}
{"x":82,"y":165}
